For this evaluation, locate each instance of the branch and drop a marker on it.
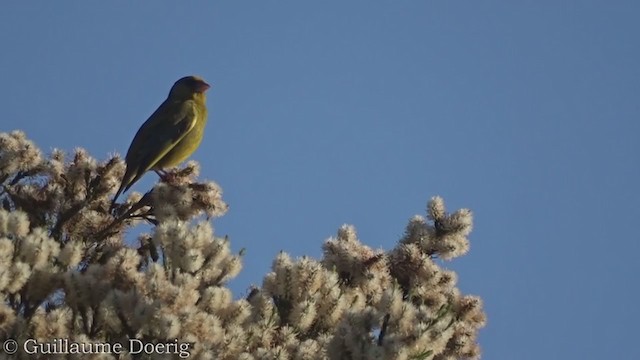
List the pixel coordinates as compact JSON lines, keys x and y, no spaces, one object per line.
{"x":383,"y":329}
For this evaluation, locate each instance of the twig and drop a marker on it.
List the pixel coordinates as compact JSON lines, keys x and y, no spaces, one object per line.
{"x":146,"y":200}
{"x":383,"y":329}
{"x":125,"y":325}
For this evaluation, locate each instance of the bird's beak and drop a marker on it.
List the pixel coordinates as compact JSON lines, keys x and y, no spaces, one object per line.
{"x":203,"y":86}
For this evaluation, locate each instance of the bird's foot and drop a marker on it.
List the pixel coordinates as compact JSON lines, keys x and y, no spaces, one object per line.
{"x":169,"y":177}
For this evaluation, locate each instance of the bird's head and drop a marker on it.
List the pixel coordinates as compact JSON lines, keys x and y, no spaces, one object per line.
{"x":188,"y":87}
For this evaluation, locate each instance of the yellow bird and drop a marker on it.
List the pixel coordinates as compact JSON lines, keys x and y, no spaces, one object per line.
{"x":170,"y":135}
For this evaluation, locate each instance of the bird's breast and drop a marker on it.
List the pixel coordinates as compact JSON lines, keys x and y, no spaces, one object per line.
{"x":187,"y":146}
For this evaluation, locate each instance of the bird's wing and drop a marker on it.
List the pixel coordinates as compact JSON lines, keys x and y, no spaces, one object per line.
{"x":160,"y":133}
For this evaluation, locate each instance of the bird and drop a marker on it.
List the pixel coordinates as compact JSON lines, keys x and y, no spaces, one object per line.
{"x":170,"y":135}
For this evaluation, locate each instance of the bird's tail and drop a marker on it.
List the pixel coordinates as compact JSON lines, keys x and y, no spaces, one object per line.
{"x":120,"y":190}
{"x":130,"y":177}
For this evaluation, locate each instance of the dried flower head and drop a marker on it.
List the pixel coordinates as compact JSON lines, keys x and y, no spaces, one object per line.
{"x":68,"y":270}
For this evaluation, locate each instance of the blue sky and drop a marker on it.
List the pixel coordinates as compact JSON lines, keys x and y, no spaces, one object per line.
{"x":332,"y":112}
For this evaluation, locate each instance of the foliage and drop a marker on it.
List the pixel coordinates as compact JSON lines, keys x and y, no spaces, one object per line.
{"x":66,"y":272}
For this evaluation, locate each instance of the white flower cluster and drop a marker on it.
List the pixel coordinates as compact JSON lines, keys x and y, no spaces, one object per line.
{"x":66,"y":272}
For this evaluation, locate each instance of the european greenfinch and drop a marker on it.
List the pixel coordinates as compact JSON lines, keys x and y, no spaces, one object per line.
{"x":170,"y":135}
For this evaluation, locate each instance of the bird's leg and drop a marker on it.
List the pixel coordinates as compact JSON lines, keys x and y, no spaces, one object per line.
{"x":168,"y":177}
